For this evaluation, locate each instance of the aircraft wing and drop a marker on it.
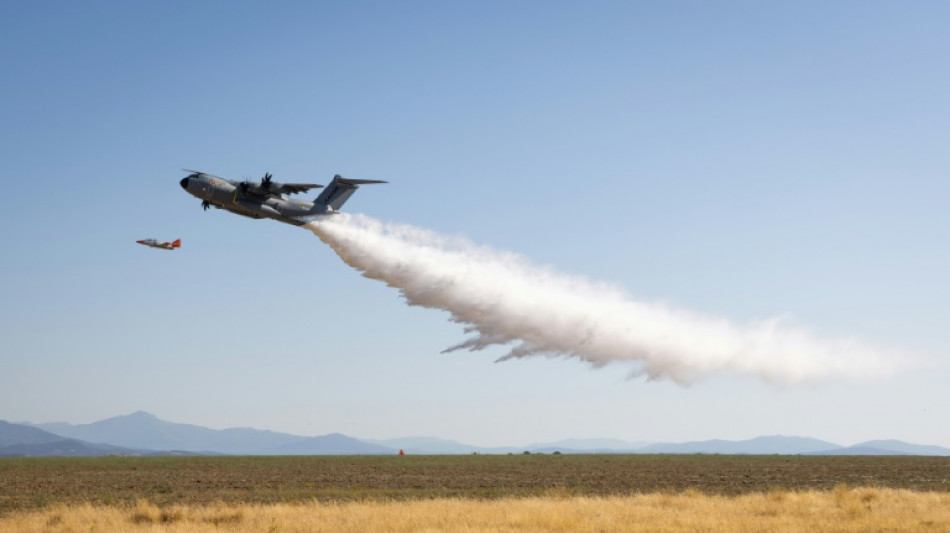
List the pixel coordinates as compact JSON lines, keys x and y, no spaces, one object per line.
{"x":294,"y":188}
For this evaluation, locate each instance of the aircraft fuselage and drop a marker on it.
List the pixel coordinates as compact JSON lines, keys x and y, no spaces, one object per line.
{"x":228,"y":195}
{"x":153,"y":243}
{"x":266,"y":199}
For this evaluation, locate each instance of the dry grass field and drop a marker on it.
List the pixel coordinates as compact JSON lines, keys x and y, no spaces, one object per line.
{"x":476,"y":493}
{"x":839,"y":510}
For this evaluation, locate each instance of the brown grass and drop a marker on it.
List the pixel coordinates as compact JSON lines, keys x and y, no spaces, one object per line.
{"x":841,"y":509}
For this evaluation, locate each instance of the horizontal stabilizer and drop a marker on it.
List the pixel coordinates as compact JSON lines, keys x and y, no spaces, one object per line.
{"x":338,"y":192}
{"x":348,"y":181}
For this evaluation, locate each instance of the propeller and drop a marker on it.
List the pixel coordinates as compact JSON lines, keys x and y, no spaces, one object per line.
{"x":265,"y":181}
{"x":205,"y":204}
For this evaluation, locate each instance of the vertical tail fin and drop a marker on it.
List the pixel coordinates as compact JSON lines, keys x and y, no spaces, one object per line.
{"x":176,"y":243}
{"x":337,"y":193}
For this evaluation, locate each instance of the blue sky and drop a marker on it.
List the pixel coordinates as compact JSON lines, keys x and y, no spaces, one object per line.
{"x":741,"y":159}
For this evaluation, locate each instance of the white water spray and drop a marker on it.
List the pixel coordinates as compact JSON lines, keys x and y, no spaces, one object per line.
{"x":505,"y":300}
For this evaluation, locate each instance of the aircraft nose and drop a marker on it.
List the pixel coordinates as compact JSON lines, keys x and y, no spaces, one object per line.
{"x":184,"y":184}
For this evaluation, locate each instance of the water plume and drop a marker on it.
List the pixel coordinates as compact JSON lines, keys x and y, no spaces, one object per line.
{"x":505,"y":300}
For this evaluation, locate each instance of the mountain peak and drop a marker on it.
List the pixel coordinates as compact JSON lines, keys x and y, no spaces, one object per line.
{"x":137,"y":419}
{"x":141,"y":415}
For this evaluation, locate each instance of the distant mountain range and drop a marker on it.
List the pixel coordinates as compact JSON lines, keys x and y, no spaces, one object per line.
{"x":759,"y":446}
{"x":21,"y":440}
{"x":142,"y":433}
{"x":145,"y":431}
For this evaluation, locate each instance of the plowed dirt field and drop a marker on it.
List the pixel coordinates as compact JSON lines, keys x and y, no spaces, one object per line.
{"x":29,"y":483}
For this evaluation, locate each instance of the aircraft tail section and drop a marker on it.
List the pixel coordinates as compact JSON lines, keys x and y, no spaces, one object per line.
{"x":176,"y":243}
{"x":338,"y":192}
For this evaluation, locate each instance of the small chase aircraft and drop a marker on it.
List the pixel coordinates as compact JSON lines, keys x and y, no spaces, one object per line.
{"x":266,"y":199}
{"x":161,"y":245}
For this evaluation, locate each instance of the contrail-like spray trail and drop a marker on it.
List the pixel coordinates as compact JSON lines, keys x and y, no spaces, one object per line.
{"x":504,"y":300}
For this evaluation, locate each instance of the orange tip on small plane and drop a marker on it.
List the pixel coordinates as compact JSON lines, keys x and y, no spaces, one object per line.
{"x":162,"y":245}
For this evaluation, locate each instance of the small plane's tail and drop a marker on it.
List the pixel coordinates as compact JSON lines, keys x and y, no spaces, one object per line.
{"x":337,"y":193}
{"x":176,"y":243}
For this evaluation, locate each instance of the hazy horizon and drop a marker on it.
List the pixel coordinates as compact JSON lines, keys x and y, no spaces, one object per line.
{"x":563,"y":441}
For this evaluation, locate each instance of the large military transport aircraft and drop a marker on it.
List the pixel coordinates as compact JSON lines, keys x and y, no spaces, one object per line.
{"x":266,"y":199}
